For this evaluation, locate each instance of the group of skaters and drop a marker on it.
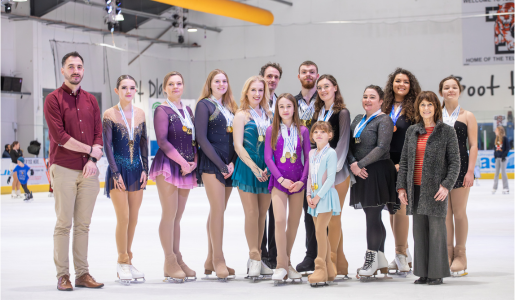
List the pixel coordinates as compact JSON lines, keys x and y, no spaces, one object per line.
{"x":405,"y":152}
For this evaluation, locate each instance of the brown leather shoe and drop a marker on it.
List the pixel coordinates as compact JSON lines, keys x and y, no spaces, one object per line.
{"x":87,"y":281}
{"x":64,"y":283}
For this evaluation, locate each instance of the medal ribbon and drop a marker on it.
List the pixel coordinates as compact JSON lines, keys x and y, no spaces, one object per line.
{"x":227,"y":113}
{"x":321,"y":114}
{"x":129,"y":129}
{"x":363,"y":123}
{"x":290,"y":141}
{"x":395,"y":114}
{"x":272,"y":107}
{"x":314,"y":164}
{"x":262,"y":122}
{"x":450,"y":120}
{"x":185,"y":121}
{"x":306,"y":112}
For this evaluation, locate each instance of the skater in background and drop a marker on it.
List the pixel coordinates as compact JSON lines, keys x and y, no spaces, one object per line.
{"x":502,"y":148}
{"x":323,"y":199}
{"x":7,"y":149}
{"x":214,"y":116}
{"x":465,"y":124}
{"x":250,"y":174}
{"x":75,"y":134}
{"x":330,"y":107}
{"x":308,"y":75}
{"x":272,"y":73}
{"x":174,"y":171}
{"x":22,"y":173}
{"x":402,"y":88}
{"x":15,"y":153}
{"x":374,"y":172}
{"x":286,"y":155}
{"x":429,"y":166}
{"x":126,"y":149}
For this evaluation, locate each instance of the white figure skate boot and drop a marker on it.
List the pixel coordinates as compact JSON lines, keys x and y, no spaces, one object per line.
{"x":402,"y":264}
{"x":265,"y":270}
{"x":506,"y":192}
{"x":294,"y":275}
{"x":254,"y":269}
{"x":124,"y":273}
{"x":280,"y":276}
{"x":136,"y":274}
{"x":370,"y":266}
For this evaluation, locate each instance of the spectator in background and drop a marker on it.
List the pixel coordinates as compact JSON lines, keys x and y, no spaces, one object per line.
{"x":7,"y":149}
{"x":502,"y":148}
{"x":15,"y":153}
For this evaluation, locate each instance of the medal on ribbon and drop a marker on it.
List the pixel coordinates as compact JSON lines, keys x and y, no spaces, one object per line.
{"x":186,"y":121}
{"x":362,"y":124}
{"x":129,"y":129}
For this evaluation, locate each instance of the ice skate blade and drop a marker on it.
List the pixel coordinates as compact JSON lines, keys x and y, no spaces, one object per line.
{"x":258,"y":278}
{"x":459,"y":274}
{"x":344,"y":278}
{"x":213,"y":277}
{"x":401,"y":273}
{"x":125,"y":282}
{"x":189,"y":279}
{"x":305,"y":274}
{"x":285,"y":282}
{"x":318,"y":284}
{"x":138,"y":280}
{"x":174,"y":280}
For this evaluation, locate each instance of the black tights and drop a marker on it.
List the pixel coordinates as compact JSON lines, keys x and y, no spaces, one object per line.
{"x":376,"y":233}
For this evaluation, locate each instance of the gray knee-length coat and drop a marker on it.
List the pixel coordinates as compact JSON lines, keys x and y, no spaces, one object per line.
{"x":441,"y":166}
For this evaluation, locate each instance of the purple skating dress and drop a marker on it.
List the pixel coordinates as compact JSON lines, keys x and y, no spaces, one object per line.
{"x":292,"y":171}
{"x":175,"y":148}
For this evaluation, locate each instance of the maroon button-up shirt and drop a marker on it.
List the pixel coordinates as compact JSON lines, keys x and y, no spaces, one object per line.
{"x":68,"y":116}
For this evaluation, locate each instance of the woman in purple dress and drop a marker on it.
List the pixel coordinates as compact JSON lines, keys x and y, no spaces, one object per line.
{"x":173,"y":170}
{"x":286,"y":140}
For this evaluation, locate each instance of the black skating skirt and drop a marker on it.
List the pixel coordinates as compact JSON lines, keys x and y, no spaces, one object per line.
{"x":378,"y":189}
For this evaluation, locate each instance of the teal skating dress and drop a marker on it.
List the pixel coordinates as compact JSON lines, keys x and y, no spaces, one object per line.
{"x":242,"y":177}
{"x":329,"y":200}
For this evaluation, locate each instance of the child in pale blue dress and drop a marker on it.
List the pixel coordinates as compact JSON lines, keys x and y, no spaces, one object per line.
{"x":322,"y":197}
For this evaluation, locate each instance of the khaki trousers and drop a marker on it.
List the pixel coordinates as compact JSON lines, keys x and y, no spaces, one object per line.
{"x":75,"y":198}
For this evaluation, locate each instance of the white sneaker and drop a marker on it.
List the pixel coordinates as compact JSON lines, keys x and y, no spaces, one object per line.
{"x":254,"y":268}
{"x":265,"y":270}
{"x":124,"y":273}
{"x":402,"y":262}
{"x":371,"y":264}
{"x":280,"y":274}
{"x":136,"y":274}
{"x":293,"y":274}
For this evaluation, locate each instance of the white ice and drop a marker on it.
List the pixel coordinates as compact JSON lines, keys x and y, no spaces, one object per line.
{"x":28,"y":271}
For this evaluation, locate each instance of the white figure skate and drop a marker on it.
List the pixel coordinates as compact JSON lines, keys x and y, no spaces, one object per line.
{"x":136,"y":274}
{"x":253,"y":270}
{"x":266,"y":272}
{"x":506,"y":192}
{"x":279,"y":277}
{"x":124,"y":273}
{"x":371,"y":266}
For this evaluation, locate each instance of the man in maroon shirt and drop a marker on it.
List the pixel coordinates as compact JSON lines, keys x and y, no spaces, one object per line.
{"x":75,"y":133}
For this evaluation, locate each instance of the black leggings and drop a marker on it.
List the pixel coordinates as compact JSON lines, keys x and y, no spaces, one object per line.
{"x":376,"y":233}
{"x":25,"y":188}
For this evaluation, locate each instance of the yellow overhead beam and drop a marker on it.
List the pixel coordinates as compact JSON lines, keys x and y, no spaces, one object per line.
{"x":226,"y":8}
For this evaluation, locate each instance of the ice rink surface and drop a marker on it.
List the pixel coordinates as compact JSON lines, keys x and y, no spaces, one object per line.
{"x":28,"y":270}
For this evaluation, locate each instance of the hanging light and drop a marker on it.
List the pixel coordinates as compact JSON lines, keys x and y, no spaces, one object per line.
{"x":192,"y":29}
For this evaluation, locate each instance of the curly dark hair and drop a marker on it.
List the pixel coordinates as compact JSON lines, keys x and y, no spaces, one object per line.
{"x":273,"y":65}
{"x":339,"y":104}
{"x":408,"y":107}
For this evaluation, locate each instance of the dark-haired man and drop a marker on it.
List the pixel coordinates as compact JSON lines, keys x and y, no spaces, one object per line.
{"x":75,"y":134}
{"x":308,"y":75}
{"x":272,"y":73}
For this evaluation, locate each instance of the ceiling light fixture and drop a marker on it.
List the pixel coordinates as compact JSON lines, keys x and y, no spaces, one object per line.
{"x":192,"y":29}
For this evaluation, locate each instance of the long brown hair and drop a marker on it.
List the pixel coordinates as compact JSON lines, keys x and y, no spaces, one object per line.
{"x":244,"y":101}
{"x":440,"y":86}
{"x":430,"y":97}
{"x":276,"y":124}
{"x":502,"y":133}
{"x":339,"y":104}
{"x":227,"y":98}
{"x":408,"y":104}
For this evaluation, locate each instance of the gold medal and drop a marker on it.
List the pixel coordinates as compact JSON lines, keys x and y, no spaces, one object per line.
{"x":288,"y":155}
{"x":315,"y":186}
{"x":261,"y":138}
{"x":131,"y":149}
{"x":303,"y":122}
{"x":184,"y":128}
{"x":357,"y":140}
{"x":193,"y":143}
{"x":293,"y":160}
{"x":308,"y":123}
{"x":190,"y":131}
{"x":294,"y":156}
{"x":283,"y":159}
{"x":229,"y":129}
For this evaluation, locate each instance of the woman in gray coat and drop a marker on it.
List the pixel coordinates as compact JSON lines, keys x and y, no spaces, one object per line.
{"x":428,"y":169}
